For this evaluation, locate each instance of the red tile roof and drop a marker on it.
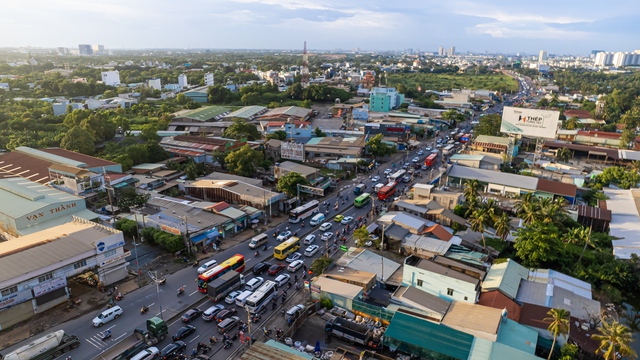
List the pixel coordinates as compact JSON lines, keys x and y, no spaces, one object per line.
{"x":219,"y":206}
{"x":534,"y":315}
{"x":498,"y":300}
{"x":439,"y":232}
{"x":582,"y":114}
{"x":556,"y":187}
{"x":91,"y":161}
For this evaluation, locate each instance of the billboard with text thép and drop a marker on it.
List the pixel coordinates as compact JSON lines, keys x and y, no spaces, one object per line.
{"x":533,"y":123}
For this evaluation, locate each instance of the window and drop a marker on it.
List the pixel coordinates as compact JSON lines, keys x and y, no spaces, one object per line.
{"x":450,"y":292}
{"x":420,"y":282}
{"x":80,"y":264}
{"x":9,"y":291}
{"x":466,"y":298}
{"x":109,"y":253}
{"x":45,"y":277}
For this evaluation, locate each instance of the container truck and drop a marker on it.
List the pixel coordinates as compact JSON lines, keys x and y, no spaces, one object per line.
{"x":222,"y":286}
{"x":47,"y":347}
{"x":137,"y":341}
{"x":350,"y":331}
{"x":359,"y":189}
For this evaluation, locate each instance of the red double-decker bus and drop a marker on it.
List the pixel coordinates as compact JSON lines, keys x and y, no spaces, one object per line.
{"x":431,"y":160}
{"x":387,"y":191}
{"x":236,"y":262}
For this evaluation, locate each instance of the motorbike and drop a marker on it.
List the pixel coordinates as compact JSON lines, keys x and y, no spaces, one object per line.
{"x":335,"y":207}
{"x":144,"y":310}
{"x":255,"y":319}
{"x":274,"y":305}
{"x":111,"y":304}
{"x":302,"y":224}
{"x":267,"y":332}
{"x":257,"y":253}
{"x":163,"y":281}
{"x":235,"y":336}
{"x":105,"y":335}
{"x":119,"y":297}
{"x":180,"y":291}
{"x":213,"y":340}
{"x":227,"y":344}
{"x":196,"y":263}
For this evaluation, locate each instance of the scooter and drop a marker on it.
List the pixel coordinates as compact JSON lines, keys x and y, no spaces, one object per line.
{"x":111,"y":304}
{"x":267,"y":332}
{"x":105,"y":335}
{"x":196,"y":263}
{"x":227,"y":344}
{"x":144,"y":309}
{"x":180,"y":291}
{"x":119,"y":297}
{"x":257,"y":254}
{"x":163,"y":281}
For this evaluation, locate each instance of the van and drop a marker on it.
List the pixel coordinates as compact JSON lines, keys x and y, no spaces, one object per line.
{"x":258,"y":241}
{"x":206,"y":266}
{"x":147,"y":354}
{"x":294,"y":312}
{"x":317,"y":219}
{"x":107,"y":316}
{"x":242,"y":298}
{"x":254,"y":283}
{"x":227,"y":324}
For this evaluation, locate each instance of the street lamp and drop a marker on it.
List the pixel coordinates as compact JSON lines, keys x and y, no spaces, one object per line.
{"x":154,"y":276}
{"x":135,"y":250}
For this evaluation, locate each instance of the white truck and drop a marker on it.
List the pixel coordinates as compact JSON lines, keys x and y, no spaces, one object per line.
{"x":47,"y":347}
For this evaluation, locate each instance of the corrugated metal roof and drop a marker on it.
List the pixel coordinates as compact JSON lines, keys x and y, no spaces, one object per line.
{"x":246,"y":112}
{"x":517,"y":336}
{"x":27,"y":197}
{"x":337,"y":287}
{"x":365,"y":260}
{"x":505,"y":277}
{"x":429,"y":244}
{"x":498,"y":300}
{"x":273,"y":350}
{"x":493,"y":177}
{"x":477,"y":318}
{"x":493,"y":139}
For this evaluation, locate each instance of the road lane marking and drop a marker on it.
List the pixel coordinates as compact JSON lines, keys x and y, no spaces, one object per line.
{"x":158,"y":314}
{"x":195,"y":292}
{"x":194,"y":339}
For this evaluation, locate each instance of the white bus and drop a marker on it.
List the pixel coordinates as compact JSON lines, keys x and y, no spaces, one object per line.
{"x":261,"y":297}
{"x":397,"y":176}
{"x":448,"y":150}
{"x":304,"y":211}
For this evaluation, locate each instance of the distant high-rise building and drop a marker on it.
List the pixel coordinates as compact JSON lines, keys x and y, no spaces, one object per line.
{"x":543,"y":56}
{"x":85,"y":49}
{"x":451,"y":51}
{"x":111,"y":78}
{"x":595,"y":52}
{"x":604,"y":59}
{"x":97,"y":48}
{"x":182,"y":81}
{"x":155,"y":84}
{"x":63,"y":51}
{"x":440,"y":50}
{"x":208,"y":79}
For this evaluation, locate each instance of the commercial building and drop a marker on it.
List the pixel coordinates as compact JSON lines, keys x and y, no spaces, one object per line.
{"x":290,"y":113}
{"x":543,"y":56}
{"x":199,"y":148}
{"x":286,"y":167}
{"x":34,"y":270}
{"x":234,"y":191}
{"x":85,"y":49}
{"x":334,"y":147}
{"x":246,"y":113}
{"x":387,"y":129}
{"x":182,"y":81}
{"x":448,"y":199}
{"x":295,"y":130}
{"x":384,"y":99}
{"x":208,"y":79}
{"x":199,"y":94}
{"x":205,"y":114}
{"x":111,"y":78}
{"x":495,"y":145}
{"x":155,"y":83}
{"x":97,"y":49}
{"x":478,"y":161}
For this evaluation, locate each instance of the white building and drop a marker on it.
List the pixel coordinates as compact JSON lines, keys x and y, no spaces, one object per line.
{"x":604,"y":59}
{"x":451,"y":51}
{"x":543,"y":56}
{"x":208,"y":79}
{"x":621,"y":59}
{"x":155,"y":84}
{"x":182,"y":81}
{"x":111,"y":78}
{"x":97,"y":48}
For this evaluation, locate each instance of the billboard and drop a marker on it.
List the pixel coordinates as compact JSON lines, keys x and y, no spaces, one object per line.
{"x":533,"y":123}
{"x":292,"y":151}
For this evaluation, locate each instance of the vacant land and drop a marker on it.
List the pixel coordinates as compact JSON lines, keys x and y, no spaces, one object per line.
{"x":441,"y":82}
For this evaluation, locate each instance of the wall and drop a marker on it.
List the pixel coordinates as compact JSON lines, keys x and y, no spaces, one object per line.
{"x":50,"y":212}
{"x":438,"y":284}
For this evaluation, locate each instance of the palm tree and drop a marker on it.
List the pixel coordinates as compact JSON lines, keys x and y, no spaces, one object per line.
{"x":501,"y":224}
{"x":634,"y":165}
{"x":472,"y":205}
{"x":527,"y":208}
{"x":491,"y":207}
{"x":614,"y":340}
{"x":572,"y":123}
{"x":563,"y":155}
{"x":477,"y":220}
{"x":471,"y":189}
{"x":559,"y":325}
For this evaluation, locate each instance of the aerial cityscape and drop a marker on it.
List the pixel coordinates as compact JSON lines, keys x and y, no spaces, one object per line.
{"x":260,"y":179}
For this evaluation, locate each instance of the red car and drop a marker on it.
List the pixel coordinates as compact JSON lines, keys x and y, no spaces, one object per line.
{"x":275,"y":269}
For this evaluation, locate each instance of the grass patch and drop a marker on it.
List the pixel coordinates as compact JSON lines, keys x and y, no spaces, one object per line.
{"x":438,"y":82}
{"x":497,"y":244}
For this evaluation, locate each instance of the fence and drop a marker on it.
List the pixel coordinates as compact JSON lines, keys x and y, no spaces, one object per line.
{"x":373,"y":311}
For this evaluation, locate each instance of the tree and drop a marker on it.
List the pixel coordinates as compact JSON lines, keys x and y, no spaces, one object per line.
{"x":319,"y":133}
{"x":489,"y":125}
{"x":361,"y":235}
{"x":181,"y":99}
{"x":278,"y":135}
{"x":79,"y":140}
{"x":501,"y":224}
{"x":471,"y":189}
{"x":128,"y":198}
{"x":627,"y":138}
{"x":543,"y":103}
{"x":618,"y":176}
{"x":378,"y":148}
{"x":288,"y":183}
{"x":563,"y":155}
{"x":240,"y":129}
{"x":614,"y":340}
{"x":572,"y":123}
{"x":559,"y":325}
{"x":306,"y":104}
{"x":452,"y":116}
{"x":537,"y":244}
{"x":243,"y":161}
{"x":478,"y":220}
{"x":149,"y":132}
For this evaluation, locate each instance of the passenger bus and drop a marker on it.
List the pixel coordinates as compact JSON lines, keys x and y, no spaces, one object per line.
{"x":283,"y":250}
{"x":362,"y":200}
{"x":261,"y":297}
{"x":387,"y":191}
{"x":397,"y":176}
{"x":448,"y":149}
{"x":236,"y":262}
{"x":304,"y":211}
{"x":431,"y":160}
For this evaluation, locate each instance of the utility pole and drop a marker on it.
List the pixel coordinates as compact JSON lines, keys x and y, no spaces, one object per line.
{"x":154,"y":276}
{"x":135,"y":249}
{"x":246,"y":309}
{"x":187,"y":239}
{"x":382,"y":257}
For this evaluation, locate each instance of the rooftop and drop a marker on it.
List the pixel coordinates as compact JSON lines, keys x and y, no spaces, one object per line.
{"x":299,"y":168}
{"x":442,"y":269}
{"x":224,"y":176}
{"x":493,"y":139}
{"x":208,"y":113}
{"x":433,"y":306}
{"x":337,"y":287}
{"x":557,"y":187}
{"x":429,"y":244}
{"x":27,"y":197}
{"x":498,"y":300}
{"x":625,"y":221}
{"x":283,"y":112}
{"x":505,"y":277}
{"x":493,"y":177}
{"x":246,"y":112}
{"x":369,"y":261}
{"x":466,"y":316}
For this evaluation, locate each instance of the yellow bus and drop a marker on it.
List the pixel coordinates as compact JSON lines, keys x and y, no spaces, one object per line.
{"x":283,"y":250}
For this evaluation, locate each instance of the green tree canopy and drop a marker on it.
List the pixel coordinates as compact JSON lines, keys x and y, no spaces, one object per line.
{"x":361,"y":235}
{"x":149,"y":132}
{"x":278,"y":135}
{"x":288,"y":183}
{"x":489,"y":125}
{"x":538,"y":244}
{"x":78,"y":139}
{"x":619,"y":176}
{"x":128,"y":197}
{"x":319,"y":133}
{"x":240,"y":129}
{"x":559,"y":319}
{"x":378,"y":148}
{"x":615,"y":339}
{"x":243,"y":161}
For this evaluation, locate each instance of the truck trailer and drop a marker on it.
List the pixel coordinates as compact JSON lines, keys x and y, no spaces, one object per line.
{"x":222,"y":286}
{"x":47,"y":347}
{"x":350,"y":331}
{"x":137,"y":341}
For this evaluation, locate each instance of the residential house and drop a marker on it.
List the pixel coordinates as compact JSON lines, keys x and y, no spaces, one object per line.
{"x":295,"y":130}
{"x":494,"y":144}
{"x":448,"y":199}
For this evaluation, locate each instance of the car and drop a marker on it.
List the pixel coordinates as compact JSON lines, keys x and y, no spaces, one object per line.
{"x":172,"y":349}
{"x":309,"y":239}
{"x":326,"y":226}
{"x":231,"y":298}
{"x":338,"y":218}
{"x":295,"y":266}
{"x":406,"y":165}
{"x":107,"y":315}
{"x":439,"y":146}
{"x":275,"y":269}
{"x":406,"y":179}
{"x":225,"y":314}
{"x":211,"y":312}
{"x":327,"y":236}
{"x":208,"y":265}
{"x":311,"y":250}
{"x":254,"y":283}
{"x":425,"y":167}
{"x":428,"y":148}
{"x":388,"y":171}
{"x":259,"y":268}
{"x":282,"y":279}
{"x":346,"y":220}
{"x":420,"y":153}
{"x":293,"y":257}
{"x":415,"y":160}
{"x":284,"y":236}
{"x":368,"y":243}
{"x":375,"y":178}
{"x":411,"y":170}
{"x":183,"y":332}
{"x":190,"y":315}
{"x":439,"y":140}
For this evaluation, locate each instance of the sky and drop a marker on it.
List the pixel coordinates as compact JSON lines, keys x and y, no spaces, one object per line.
{"x":504,"y":26}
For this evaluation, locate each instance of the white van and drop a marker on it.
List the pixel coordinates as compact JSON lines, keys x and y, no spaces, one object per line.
{"x":206,"y":266}
{"x":258,"y":241}
{"x":317,"y":219}
{"x":147,"y":354}
{"x":294,"y":312}
{"x":378,"y":187}
{"x":242,"y":298}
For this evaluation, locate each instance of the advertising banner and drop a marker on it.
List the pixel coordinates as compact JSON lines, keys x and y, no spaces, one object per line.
{"x":533,"y":123}
{"x":292,"y":151}
{"x":49,"y":286}
{"x":15,"y":299}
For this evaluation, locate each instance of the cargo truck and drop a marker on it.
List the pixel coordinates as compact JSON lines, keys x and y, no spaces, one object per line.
{"x":350,"y":331}
{"x":137,"y":341}
{"x":222,"y":286}
{"x":47,"y":347}
{"x":359,"y":189}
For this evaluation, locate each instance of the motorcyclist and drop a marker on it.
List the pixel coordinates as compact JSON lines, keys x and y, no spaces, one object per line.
{"x":265,"y":247}
{"x":257,"y":253}
{"x":181,"y":290}
{"x":144,"y":309}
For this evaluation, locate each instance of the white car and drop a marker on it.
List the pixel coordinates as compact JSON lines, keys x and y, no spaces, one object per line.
{"x":295,"y":266}
{"x":326,"y":226}
{"x":327,"y":236}
{"x":231,"y":298}
{"x":415,"y":159}
{"x":206,"y":266}
{"x":309,"y":239}
{"x":254,"y":283}
{"x":284,"y":236}
{"x":346,"y":220}
{"x":387,"y":171}
{"x":311,"y":250}
{"x":420,"y":153}
{"x":282,"y":279}
{"x":428,"y":148}
{"x":293,"y":257}
{"x":107,"y":315}
{"x":375,"y":178}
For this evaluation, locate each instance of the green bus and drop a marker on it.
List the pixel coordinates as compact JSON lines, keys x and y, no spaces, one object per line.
{"x":362,"y":200}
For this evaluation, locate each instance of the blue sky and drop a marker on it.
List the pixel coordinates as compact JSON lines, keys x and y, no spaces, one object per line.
{"x":562,"y":27}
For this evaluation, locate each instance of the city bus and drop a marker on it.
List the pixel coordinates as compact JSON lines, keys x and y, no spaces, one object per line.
{"x":387,"y":191}
{"x":304,"y":211}
{"x":236,"y":262}
{"x":448,"y":149}
{"x":397,"y":176}
{"x":362,"y":200}
{"x":431,"y":160}
{"x":283,"y":250}
{"x":261,"y":297}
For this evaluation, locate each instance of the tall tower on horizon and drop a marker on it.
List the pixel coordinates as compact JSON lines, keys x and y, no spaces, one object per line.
{"x":304,"y":70}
